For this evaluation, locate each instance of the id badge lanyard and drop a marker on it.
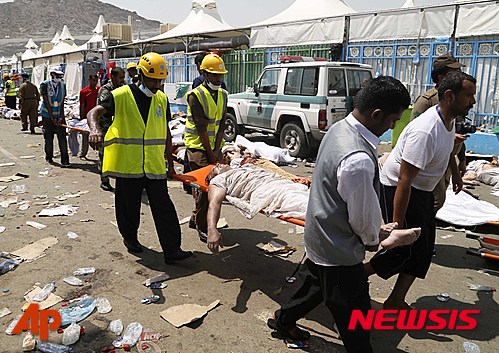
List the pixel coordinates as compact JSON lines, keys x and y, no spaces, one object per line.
{"x":55,"y":89}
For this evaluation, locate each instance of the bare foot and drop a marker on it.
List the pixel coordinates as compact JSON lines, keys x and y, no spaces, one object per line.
{"x":401,"y":237}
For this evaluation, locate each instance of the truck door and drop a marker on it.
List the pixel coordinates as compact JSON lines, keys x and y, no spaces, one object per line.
{"x":262,"y":106}
{"x":336,"y":95}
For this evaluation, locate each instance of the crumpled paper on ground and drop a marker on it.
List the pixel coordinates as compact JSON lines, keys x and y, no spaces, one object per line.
{"x":64,"y":210}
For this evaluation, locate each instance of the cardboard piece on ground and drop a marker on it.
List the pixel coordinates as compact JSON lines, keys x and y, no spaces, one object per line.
{"x":5,"y":312}
{"x":64,"y":210}
{"x":47,"y":303}
{"x":36,"y":224}
{"x":184,"y":314}
{"x":6,"y":200}
{"x":17,"y":176}
{"x":8,"y":164}
{"x":222,"y":223}
{"x":35,"y":250}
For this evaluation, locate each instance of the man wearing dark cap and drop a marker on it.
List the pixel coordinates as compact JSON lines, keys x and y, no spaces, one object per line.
{"x":442,"y":66}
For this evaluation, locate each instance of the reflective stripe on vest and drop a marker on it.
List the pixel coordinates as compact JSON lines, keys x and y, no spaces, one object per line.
{"x":132,"y":149}
{"x":12,"y":88}
{"x":214,"y":113}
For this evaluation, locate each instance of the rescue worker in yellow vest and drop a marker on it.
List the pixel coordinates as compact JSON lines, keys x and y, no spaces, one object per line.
{"x":204,"y":130}
{"x":10,"y":91}
{"x":134,"y":154}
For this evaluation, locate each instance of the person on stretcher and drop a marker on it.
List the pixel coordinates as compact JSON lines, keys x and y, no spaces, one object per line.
{"x":251,"y":188}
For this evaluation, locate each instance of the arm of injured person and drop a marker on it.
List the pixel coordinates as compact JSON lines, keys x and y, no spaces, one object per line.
{"x":216,"y":195}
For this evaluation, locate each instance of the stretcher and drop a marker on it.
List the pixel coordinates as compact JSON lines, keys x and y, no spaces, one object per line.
{"x":197,"y":180}
{"x":483,"y":252}
{"x":81,"y":131}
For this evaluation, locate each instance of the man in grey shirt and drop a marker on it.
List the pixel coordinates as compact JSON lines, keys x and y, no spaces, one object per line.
{"x":344,"y":217}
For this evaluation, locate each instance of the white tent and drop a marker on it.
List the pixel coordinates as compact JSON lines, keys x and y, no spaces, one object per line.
{"x":96,"y":42}
{"x":304,"y":22}
{"x":31,"y":50}
{"x":203,"y":21}
{"x":55,"y":40}
{"x":409,"y":4}
{"x":302,"y":10}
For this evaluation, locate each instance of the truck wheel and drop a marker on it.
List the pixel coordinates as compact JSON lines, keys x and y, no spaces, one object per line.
{"x":293,"y":138}
{"x":231,"y":128}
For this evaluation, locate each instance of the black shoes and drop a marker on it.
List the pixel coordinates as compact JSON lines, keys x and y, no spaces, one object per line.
{"x":178,"y":255}
{"x":24,"y":129}
{"x":65,"y":165}
{"x":106,"y":187}
{"x":288,"y":331}
{"x":133,"y":246}
{"x":203,"y":236}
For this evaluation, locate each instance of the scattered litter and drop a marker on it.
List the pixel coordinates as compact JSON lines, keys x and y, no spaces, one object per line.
{"x":36,"y":225}
{"x":5,"y":312}
{"x":148,"y":347}
{"x":8,"y":164}
{"x":77,"y":311}
{"x":148,"y":336}
{"x":51,"y":300}
{"x":447,"y":236}
{"x":159,"y":278}
{"x":295,"y":344}
{"x":103,"y":305}
{"x":71,"y":334}
{"x":33,"y":145}
{"x":74,"y":281}
{"x":291,"y":230}
{"x":300,"y":229}
{"x":8,"y":262}
{"x":150,"y":299}
{"x":15,"y":177}
{"x":45,"y":173}
{"x":130,"y":336}
{"x":443,"y":297}
{"x":24,"y":205}
{"x":19,"y":189}
{"x":49,"y":347}
{"x":35,"y":250}
{"x":222,"y":223}
{"x":44,"y":293}
{"x":480,"y":288}
{"x":29,"y":342}
{"x":26,"y":157}
{"x":13,"y":324}
{"x":86,"y":220}
{"x":72,"y":235}
{"x":470,"y":347}
{"x":7,"y":200}
{"x":274,"y":248}
{"x":82,"y":271}
{"x":184,"y":220}
{"x":106,"y":206}
{"x":64,"y":210}
{"x":291,"y":279}
{"x":116,"y":327}
{"x":184,"y":314}
{"x":39,"y":197}
{"x":2,"y":229}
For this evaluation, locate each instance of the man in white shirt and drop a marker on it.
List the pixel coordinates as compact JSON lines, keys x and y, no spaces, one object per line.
{"x":344,"y":217}
{"x":408,"y":178}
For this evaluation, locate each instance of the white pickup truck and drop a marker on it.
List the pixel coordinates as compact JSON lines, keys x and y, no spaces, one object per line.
{"x":297,"y":102}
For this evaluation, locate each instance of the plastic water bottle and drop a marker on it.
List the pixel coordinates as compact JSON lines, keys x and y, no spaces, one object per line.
{"x":49,"y":347}
{"x":84,"y":271}
{"x":74,"y":281}
{"x":44,"y":293}
{"x":6,"y":266}
{"x":13,"y":324}
{"x":470,"y":347}
{"x":132,"y":334}
{"x":103,"y":305}
{"x":71,"y":334}
{"x":116,"y":327}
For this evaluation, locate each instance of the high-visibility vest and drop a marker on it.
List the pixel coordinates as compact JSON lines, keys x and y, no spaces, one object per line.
{"x":12,"y":88}
{"x":133,"y":149}
{"x":214,"y":112}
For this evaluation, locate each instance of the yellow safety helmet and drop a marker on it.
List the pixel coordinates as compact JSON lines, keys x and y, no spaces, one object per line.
{"x":131,"y":66}
{"x":214,"y":64}
{"x":153,"y":65}
{"x":6,"y":75}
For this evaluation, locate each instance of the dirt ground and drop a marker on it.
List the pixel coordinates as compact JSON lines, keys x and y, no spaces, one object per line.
{"x":241,"y":277}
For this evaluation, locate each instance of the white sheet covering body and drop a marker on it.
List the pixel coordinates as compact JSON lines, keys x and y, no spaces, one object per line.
{"x":251,"y":189}
{"x":464,"y":210}
{"x":261,"y":149}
